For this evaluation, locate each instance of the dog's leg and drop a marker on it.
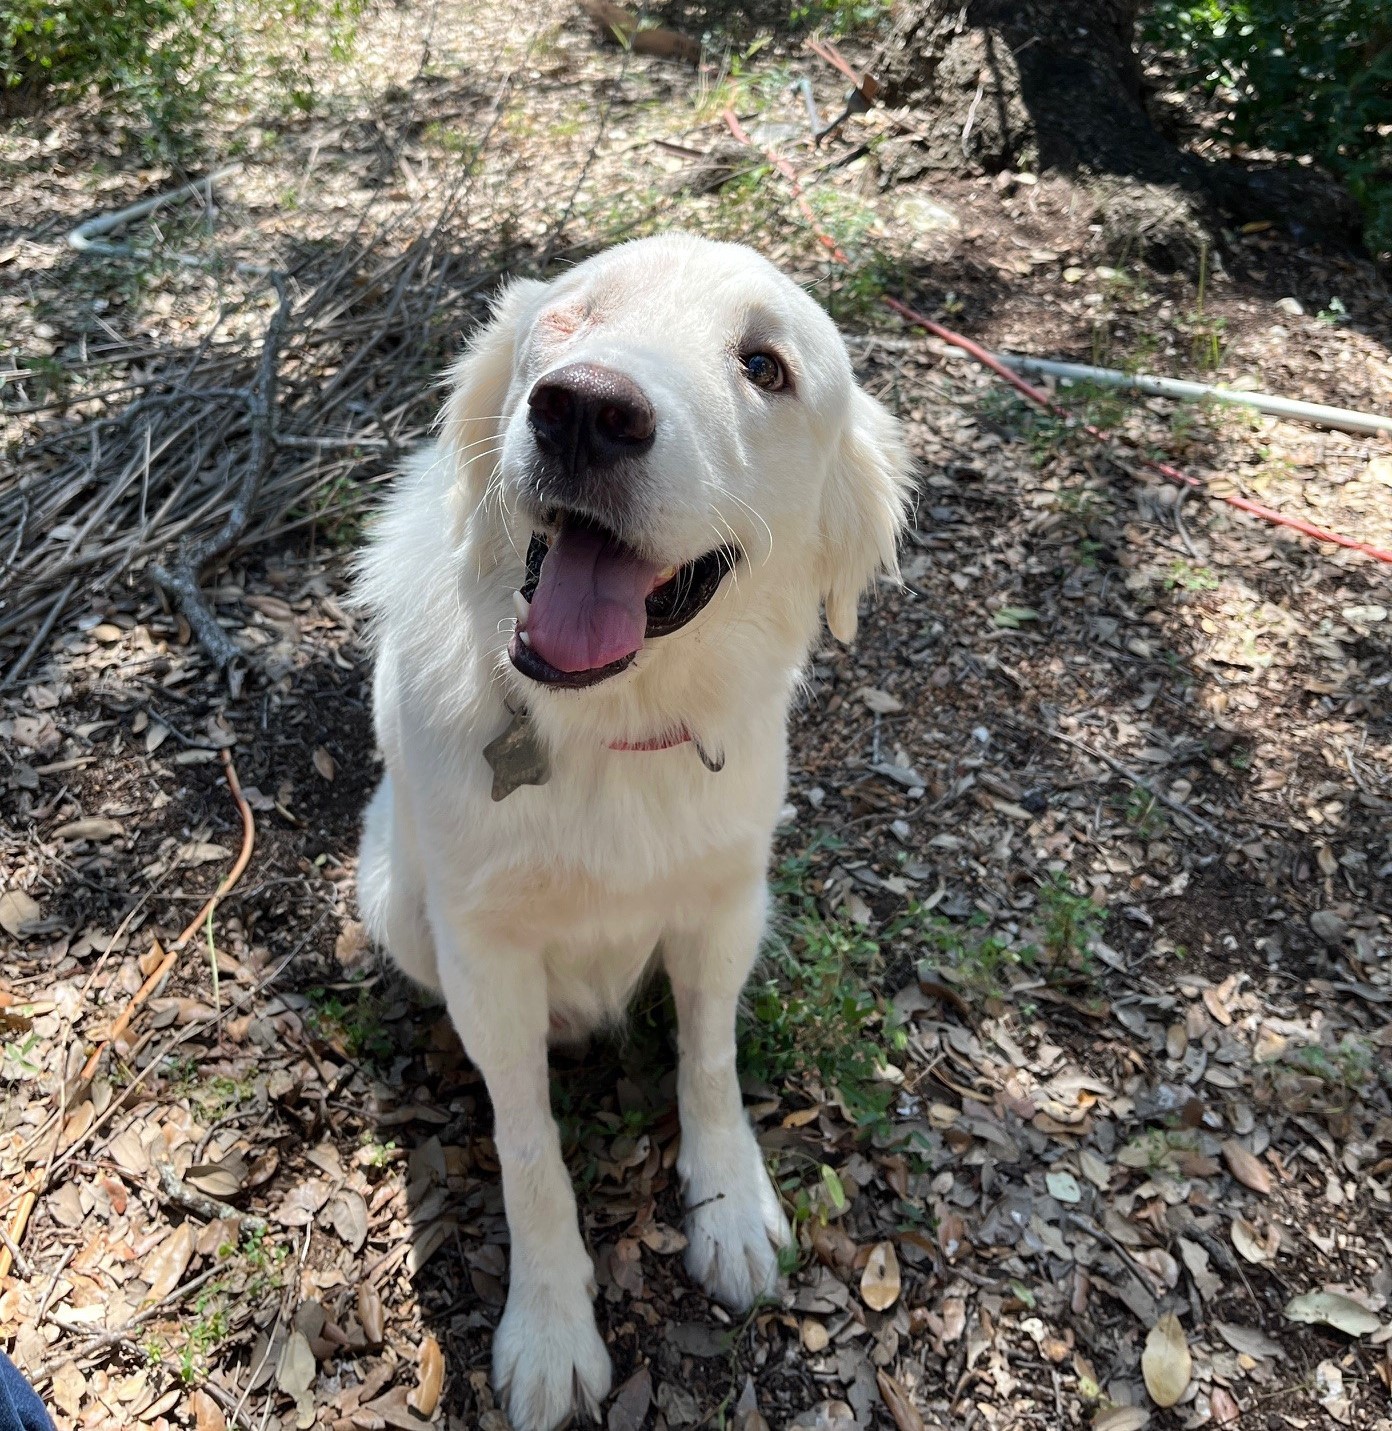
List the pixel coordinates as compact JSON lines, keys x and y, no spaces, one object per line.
{"x":391,"y":886}
{"x":735,"y":1224}
{"x":548,"y":1357}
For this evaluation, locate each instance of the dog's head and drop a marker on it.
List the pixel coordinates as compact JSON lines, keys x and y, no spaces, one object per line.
{"x":673,"y":434}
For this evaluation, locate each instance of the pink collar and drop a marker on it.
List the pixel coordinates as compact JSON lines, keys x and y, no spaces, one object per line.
{"x":661,"y":742}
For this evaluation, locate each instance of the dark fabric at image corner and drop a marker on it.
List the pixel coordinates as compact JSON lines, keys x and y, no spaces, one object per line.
{"x":20,"y":1407}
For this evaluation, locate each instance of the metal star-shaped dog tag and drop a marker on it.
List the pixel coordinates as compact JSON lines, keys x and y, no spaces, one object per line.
{"x":516,"y":758}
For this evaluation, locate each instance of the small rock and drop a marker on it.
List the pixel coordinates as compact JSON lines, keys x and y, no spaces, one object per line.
{"x":1073,"y":274}
{"x":924,"y":216}
{"x":1291,"y":307}
{"x":826,"y":1416}
{"x":1328,"y":926}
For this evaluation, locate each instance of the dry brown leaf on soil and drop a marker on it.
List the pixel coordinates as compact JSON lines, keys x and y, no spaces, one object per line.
{"x":1165,"y":1362}
{"x":168,"y":1262}
{"x":1122,"y":1418}
{"x":222,"y":1180}
{"x":295,"y":1373}
{"x":901,"y":1408}
{"x":348,"y":1214}
{"x":1333,"y":1309}
{"x":881,"y":702}
{"x":370,"y":1313}
{"x":1256,"y":1247}
{"x":1246,"y":1167}
{"x":625,"y":26}
{"x":1251,"y":1341}
{"x":1329,"y":1391}
{"x":1225,"y":1409}
{"x":430,"y":1377}
{"x":207,"y":1413}
{"x":94,"y":828}
{"x":18,"y":910}
{"x":68,"y":1388}
{"x":879,"y":1283}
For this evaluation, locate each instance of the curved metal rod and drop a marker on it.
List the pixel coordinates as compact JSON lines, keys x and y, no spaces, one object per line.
{"x":86,"y":237}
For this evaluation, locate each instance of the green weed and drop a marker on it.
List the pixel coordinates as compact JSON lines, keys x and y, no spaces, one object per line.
{"x":815,"y":1015}
{"x":1190,"y":578}
{"x":1144,"y":813}
{"x":1347,"y":1066}
{"x":840,"y":17}
{"x":1071,"y":921}
{"x":983,"y":963}
{"x":356,"y":1020}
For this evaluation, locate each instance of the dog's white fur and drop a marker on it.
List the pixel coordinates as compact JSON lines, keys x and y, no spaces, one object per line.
{"x":546,"y":908}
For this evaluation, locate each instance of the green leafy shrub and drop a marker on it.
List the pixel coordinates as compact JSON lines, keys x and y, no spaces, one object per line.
{"x":158,"y":61}
{"x":155,"y":55}
{"x":1310,"y":77}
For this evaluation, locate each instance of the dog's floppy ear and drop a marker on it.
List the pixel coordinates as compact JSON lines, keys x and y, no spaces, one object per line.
{"x":864,"y":507}
{"x":479,"y":384}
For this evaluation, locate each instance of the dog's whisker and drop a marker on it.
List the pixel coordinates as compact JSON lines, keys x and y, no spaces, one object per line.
{"x":758,"y":517}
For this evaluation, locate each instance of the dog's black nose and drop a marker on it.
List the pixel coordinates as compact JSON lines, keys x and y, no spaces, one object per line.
{"x":590,"y":416}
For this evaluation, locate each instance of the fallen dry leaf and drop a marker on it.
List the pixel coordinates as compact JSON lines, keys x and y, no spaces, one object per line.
{"x":207,"y":1413}
{"x":430,"y":1377}
{"x":1225,"y":1409}
{"x":295,"y":1373}
{"x":881,"y":702}
{"x":94,"y":828}
{"x":879,"y":1283}
{"x":1254,"y":1246}
{"x":167,"y":1263}
{"x":1251,"y":1341}
{"x":348,"y":1214}
{"x":324,"y":762}
{"x":68,"y":1388}
{"x":1329,"y":1391}
{"x":1165,"y":1362}
{"x":220,"y":1180}
{"x":370,"y":1313}
{"x":18,"y":910}
{"x":901,"y":1408}
{"x":1122,"y":1418}
{"x":1246,"y":1167}
{"x":1333,"y":1309}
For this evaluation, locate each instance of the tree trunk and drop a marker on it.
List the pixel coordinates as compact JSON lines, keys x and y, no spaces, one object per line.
{"x":1040,"y":85}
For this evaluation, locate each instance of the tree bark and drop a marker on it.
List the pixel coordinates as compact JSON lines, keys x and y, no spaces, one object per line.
{"x":1039,"y":85}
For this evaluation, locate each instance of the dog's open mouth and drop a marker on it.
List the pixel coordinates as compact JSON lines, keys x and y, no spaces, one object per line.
{"x":590,"y":601}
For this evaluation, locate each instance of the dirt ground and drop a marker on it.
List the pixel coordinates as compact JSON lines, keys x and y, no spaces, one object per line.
{"x":1071,"y":1053}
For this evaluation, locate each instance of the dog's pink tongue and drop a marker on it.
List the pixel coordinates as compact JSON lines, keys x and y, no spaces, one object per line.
{"x":589,"y":608}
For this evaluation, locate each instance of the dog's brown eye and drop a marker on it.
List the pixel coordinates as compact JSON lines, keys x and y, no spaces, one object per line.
{"x":764,"y":371}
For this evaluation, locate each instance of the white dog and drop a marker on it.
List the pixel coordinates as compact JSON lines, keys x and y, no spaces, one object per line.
{"x":592,"y":598}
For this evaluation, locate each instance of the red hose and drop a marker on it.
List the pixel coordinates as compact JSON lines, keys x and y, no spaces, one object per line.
{"x":1037,"y":395}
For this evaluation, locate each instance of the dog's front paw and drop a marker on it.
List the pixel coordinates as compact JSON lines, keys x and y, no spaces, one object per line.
{"x":548,"y":1357}
{"x":735,"y":1225}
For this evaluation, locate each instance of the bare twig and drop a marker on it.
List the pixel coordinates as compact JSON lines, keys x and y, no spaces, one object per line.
{"x":179,"y":1192}
{"x":181,"y":578}
{"x":1178,"y":806}
{"x":120,"y":1334}
{"x":40,"y":636}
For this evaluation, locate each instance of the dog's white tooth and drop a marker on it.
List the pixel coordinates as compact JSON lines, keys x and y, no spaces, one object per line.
{"x":666,"y":574}
{"x":524,"y":637}
{"x":521,"y":606}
